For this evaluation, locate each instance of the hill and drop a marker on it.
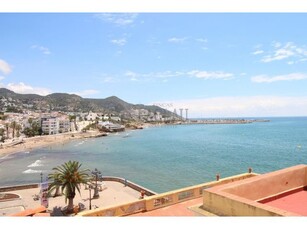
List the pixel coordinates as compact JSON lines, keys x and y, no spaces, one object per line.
{"x":73,"y":103}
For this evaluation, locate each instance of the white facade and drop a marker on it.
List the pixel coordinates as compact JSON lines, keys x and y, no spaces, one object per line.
{"x":115,"y":118}
{"x":105,"y":117}
{"x":91,"y":116}
{"x":50,"y":125}
{"x":64,"y":126}
{"x":82,"y":124}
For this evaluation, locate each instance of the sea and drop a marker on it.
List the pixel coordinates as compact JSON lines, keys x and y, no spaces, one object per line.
{"x":164,"y":158}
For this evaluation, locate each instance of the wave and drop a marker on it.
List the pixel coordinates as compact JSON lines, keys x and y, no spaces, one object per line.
{"x":37,"y":163}
{"x":30,"y":171}
{"x":80,"y":143}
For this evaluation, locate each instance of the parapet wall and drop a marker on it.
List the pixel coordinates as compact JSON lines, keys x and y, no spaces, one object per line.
{"x":270,"y":184}
{"x":129,"y":184}
{"x":18,"y":187}
{"x":162,"y":200}
{"x":242,"y":198}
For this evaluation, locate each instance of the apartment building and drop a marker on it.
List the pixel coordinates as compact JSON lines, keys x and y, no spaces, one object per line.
{"x":50,"y":125}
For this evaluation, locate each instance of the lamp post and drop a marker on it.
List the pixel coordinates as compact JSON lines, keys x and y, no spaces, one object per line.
{"x":96,"y":173}
{"x":90,"y":206}
{"x":41,"y":177}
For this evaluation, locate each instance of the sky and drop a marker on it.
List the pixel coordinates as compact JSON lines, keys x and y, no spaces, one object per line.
{"x":213,"y":64}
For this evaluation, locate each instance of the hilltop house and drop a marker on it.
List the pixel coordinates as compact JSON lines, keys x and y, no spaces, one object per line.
{"x":91,"y":116}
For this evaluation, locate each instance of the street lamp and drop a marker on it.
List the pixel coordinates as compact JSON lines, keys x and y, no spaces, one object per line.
{"x":89,"y":188}
{"x":41,"y":177}
{"x":96,"y":173}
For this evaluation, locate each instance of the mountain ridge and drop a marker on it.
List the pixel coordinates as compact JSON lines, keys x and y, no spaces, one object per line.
{"x":74,"y":103}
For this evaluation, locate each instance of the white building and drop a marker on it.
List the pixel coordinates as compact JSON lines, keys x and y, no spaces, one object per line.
{"x":50,"y":125}
{"x":91,"y":116}
{"x":105,"y":117}
{"x":64,"y":126}
{"x":82,"y":124}
{"x":115,"y":118}
{"x":109,"y":126}
{"x":158,"y":116}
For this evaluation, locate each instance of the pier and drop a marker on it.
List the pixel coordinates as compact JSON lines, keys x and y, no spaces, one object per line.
{"x":221,"y":121}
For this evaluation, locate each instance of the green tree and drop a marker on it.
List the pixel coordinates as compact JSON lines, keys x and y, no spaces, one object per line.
{"x":30,"y":120}
{"x":72,"y":118}
{"x":69,"y":178}
{"x":18,"y":128}
{"x":2,"y":138}
{"x":28,"y":132}
{"x":13,"y":126}
{"x":36,"y":128}
{"x":7,"y":125}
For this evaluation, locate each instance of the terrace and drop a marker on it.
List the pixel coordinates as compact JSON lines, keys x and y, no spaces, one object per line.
{"x":279,"y":193}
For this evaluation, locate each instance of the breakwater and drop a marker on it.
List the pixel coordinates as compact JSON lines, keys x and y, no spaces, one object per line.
{"x":222,"y":121}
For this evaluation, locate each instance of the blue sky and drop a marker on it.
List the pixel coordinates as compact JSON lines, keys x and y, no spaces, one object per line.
{"x":214,"y":64}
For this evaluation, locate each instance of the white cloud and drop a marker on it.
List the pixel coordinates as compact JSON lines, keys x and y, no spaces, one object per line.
{"x":118,"y":19}
{"x":22,"y":88}
{"x":171,"y":74}
{"x":276,"y":44}
{"x":109,"y":80}
{"x":210,"y":75}
{"x":5,"y":68}
{"x":252,"y":106}
{"x":202,"y":40}
{"x":1,"y":78}
{"x":132,"y":75}
{"x":86,"y":92}
{"x":281,"y":52}
{"x":43,"y":49}
{"x":153,"y":41}
{"x":153,"y":75}
{"x":177,"y":40}
{"x":119,"y":42}
{"x":288,"y":77}
{"x":258,"y":46}
{"x":258,"y":52}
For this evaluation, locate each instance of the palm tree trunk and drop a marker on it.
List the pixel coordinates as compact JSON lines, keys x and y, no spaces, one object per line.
{"x":7,"y":131}
{"x":70,"y":207}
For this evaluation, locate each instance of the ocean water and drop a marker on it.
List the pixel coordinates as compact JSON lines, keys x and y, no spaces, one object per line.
{"x":169,"y":157}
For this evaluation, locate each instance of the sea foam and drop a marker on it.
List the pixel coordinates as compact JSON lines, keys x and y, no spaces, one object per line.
{"x":37,"y":163}
{"x":30,"y":171}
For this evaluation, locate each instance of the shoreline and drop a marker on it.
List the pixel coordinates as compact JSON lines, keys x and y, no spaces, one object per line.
{"x":36,"y":142}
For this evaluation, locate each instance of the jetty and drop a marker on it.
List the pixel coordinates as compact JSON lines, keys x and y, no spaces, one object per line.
{"x":221,"y":121}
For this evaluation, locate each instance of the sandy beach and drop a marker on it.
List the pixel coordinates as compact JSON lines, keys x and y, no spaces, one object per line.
{"x":31,"y":143}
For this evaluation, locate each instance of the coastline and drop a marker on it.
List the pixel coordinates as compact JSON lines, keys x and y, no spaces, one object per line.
{"x":36,"y":142}
{"x":31,"y":143}
{"x":28,"y":144}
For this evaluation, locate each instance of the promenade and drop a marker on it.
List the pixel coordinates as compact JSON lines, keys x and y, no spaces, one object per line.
{"x":113,"y":193}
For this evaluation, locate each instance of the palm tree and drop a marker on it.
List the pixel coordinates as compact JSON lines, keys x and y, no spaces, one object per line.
{"x":69,"y":178}
{"x":57,"y":184}
{"x":18,"y":128}
{"x":13,"y":125}
{"x":7,"y":125}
